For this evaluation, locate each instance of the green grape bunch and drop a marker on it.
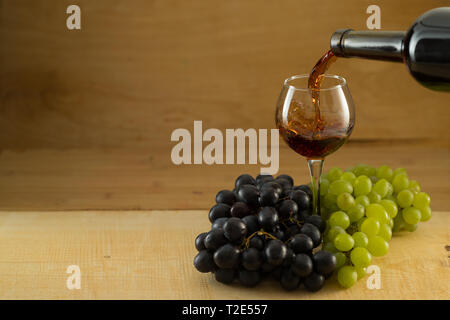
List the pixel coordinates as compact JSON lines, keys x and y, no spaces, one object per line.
{"x":363,"y":206}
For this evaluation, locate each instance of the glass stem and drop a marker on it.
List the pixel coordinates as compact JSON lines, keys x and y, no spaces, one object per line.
{"x":315,"y":169}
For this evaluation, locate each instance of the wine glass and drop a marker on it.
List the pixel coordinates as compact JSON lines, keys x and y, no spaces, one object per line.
{"x":315,"y":122}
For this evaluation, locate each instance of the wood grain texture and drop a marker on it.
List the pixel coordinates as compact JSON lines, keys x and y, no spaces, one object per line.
{"x":138,"y":70}
{"x":148,"y":255}
{"x":79,"y":179}
{"x":86,"y":116}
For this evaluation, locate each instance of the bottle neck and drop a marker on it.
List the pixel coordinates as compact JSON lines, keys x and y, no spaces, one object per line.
{"x":376,"y":45}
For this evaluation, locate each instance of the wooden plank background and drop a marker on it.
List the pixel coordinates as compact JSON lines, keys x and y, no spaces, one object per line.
{"x":149,"y":255}
{"x":86,"y":116}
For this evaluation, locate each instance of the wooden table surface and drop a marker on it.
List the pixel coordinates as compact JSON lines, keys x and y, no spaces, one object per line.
{"x":149,"y":254}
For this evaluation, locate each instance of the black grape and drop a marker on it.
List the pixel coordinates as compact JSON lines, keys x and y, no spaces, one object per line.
{"x":292,"y":230}
{"x":204,"y":262}
{"x":268,"y":218}
{"x":256,"y":242}
{"x":225,"y":276}
{"x":234,"y":229}
{"x":266,"y":267}
{"x":301,"y":198}
{"x":324,"y":262}
{"x":287,"y":208}
{"x":286,"y":177}
{"x":314,"y":282}
{"x":249,"y":195}
{"x":302,"y":265}
{"x":249,"y":278}
{"x":219,"y":210}
{"x":301,"y":243}
{"x":275,"y":252}
{"x":276,"y":273}
{"x":252,"y":224}
{"x":268,"y":197}
{"x":240,"y":210}
{"x":226,"y":196}
{"x":264,"y":178}
{"x":272,"y":185}
{"x":285,"y":185}
{"x":215,"y":239}
{"x":313,"y":232}
{"x":199,"y":241}
{"x":227,"y":256}
{"x":290,"y":256}
{"x":251,"y":259}
{"x":317,"y":221}
{"x":289,"y":280}
{"x":218,"y":223}
{"x":244,"y":179}
{"x":304,"y":188}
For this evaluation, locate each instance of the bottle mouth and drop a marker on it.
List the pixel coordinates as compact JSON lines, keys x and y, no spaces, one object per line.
{"x":336,"y":42}
{"x":328,"y":82}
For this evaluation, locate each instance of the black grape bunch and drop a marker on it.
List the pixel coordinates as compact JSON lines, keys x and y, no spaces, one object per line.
{"x":264,"y":229}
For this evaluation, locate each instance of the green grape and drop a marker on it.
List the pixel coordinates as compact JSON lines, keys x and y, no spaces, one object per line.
{"x":400,"y":182}
{"x":344,"y":242}
{"x":399,"y":223}
{"x":411,"y":227}
{"x":390,"y":207}
{"x":381,"y":187}
{"x":360,"y":222}
{"x":390,"y":191}
{"x":385,"y":232}
{"x":390,"y":197}
{"x":360,"y":257}
{"x":325,"y":213}
{"x":405,"y":198}
{"x":339,"y":219}
{"x":333,"y":232}
{"x":411,"y":215}
{"x":362,"y":186}
{"x":341,"y":259}
{"x":362,"y":200}
{"x":345,"y":201}
{"x":378,"y":246}
{"x":384,"y":172}
{"x":370,"y":227}
{"x":391,"y":223}
{"x":361,"y":239}
{"x":329,"y":201}
{"x":400,"y":171}
{"x":348,"y":176}
{"x":374,"y":197}
{"x":340,"y":186}
{"x":373,"y":179}
{"x":414,"y":186}
{"x":361,"y":272}
{"x":371,"y":171}
{"x":347,"y":276}
{"x":360,"y":169}
{"x":324,"y":184}
{"x":421,"y":200}
{"x":334,"y":174}
{"x":329,"y":246}
{"x":377,"y":211}
{"x":425,"y":214}
{"x":355,"y":213}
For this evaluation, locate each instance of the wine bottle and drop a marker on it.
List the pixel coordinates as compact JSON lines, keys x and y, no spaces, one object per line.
{"x":424,"y":48}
